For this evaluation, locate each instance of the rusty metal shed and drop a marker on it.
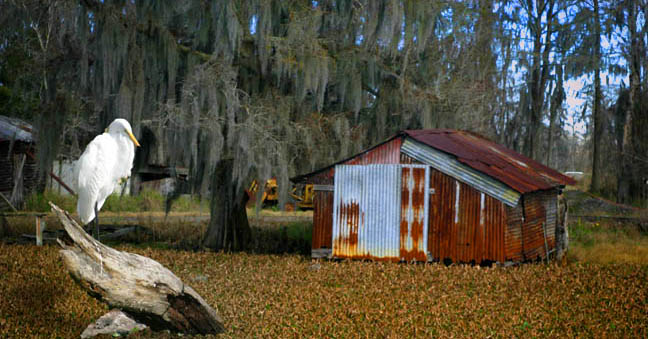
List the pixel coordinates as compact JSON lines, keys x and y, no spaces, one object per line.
{"x":435,"y":195}
{"x":17,"y":170}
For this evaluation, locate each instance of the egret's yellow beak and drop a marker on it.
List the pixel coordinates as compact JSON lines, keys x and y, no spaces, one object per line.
{"x":133,"y":138}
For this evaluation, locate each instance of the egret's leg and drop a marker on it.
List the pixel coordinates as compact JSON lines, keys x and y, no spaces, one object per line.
{"x":96,"y":222}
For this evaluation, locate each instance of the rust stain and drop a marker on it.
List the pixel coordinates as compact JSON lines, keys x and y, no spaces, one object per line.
{"x":347,"y":243}
{"x":411,"y":234}
{"x":404,"y":224}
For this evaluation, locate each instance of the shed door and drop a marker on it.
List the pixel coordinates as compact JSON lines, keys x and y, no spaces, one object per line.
{"x":380,"y":212}
{"x":414,"y":213}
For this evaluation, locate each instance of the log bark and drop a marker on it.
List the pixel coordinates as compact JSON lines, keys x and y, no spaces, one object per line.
{"x":141,"y":287}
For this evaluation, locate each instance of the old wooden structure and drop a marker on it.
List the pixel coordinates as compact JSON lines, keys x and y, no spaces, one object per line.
{"x":18,"y":174}
{"x":436,"y":195}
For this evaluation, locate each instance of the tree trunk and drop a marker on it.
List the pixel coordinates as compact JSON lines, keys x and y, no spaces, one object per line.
{"x":556,"y":104}
{"x":539,"y":75}
{"x":627,"y":177}
{"x":228,"y":226}
{"x":562,"y":234}
{"x":595,"y":185}
{"x":139,"y":286}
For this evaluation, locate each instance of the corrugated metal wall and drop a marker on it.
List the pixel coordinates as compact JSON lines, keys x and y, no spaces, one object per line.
{"x":322,"y":219}
{"x":525,"y":235}
{"x":380,"y":212}
{"x":465,"y":224}
{"x":414,"y":216}
{"x":366,"y":212}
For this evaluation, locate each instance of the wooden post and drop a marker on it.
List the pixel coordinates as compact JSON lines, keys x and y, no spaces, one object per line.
{"x":544,"y":231}
{"x":39,"y":231}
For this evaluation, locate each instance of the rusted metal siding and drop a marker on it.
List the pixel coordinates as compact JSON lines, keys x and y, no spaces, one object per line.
{"x":470,"y":229}
{"x":322,"y":219}
{"x":532,"y":232}
{"x":387,"y":153}
{"x":550,"y":201}
{"x":513,"y":234}
{"x":525,"y":234}
{"x":414,"y":216}
{"x":380,"y":212}
{"x":449,"y":165}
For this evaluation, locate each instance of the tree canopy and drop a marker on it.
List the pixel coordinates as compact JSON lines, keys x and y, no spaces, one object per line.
{"x":284,"y":87}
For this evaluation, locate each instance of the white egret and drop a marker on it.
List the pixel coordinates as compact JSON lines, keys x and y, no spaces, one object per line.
{"x":106,"y":162}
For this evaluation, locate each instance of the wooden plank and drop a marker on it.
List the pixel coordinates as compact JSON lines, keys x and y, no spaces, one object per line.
{"x":23,"y":214}
{"x":8,"y":202}
{"x":328,"y":188}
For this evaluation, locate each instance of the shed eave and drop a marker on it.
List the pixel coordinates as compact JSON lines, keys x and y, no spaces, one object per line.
{"x":449,"y":165}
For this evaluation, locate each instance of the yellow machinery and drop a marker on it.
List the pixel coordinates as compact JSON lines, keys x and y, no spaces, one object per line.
{"x":270,"y":194}
{"x":302,"y":194}
{"x":304,"y":199}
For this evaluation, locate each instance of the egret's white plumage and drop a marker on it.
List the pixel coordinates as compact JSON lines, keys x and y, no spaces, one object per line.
{"x":106,"y":161}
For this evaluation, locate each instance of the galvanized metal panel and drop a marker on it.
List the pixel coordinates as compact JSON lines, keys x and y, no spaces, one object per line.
{"x":366,"y":211}
{"x":449,"y":165}
{"x":414,"y":212}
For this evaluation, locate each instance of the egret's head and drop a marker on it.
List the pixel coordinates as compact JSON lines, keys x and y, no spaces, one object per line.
{"x":122,"y":126}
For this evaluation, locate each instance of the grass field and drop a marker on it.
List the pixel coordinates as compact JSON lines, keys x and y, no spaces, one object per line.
{"x":602,"y":290}
{"x":278,"y":296}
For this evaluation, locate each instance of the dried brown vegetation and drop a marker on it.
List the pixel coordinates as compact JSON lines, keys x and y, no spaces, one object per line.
{"x":291,"y":296}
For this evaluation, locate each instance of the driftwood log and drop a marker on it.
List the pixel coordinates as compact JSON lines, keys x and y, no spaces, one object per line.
{"x":139,"y":286}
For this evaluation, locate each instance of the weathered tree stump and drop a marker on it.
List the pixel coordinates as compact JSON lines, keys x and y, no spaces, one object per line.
{"x":139,"y":286}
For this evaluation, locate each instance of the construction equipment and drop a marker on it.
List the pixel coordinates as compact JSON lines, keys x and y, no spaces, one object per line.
{"x":270,"y":193}
{"x":302,"y":194}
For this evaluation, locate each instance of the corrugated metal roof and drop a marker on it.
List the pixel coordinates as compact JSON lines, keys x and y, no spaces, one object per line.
{"x":475,"y":157}
{"x":15,"y":129}
{"x":513,"y":169}
{"x":449,"y":165}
